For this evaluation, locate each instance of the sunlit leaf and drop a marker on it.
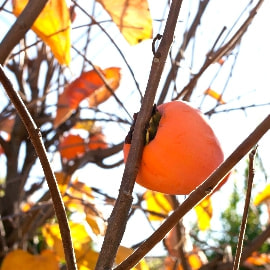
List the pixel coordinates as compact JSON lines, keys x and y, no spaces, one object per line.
{"x":85,"y":125}
{"x":218,"y":97}
{"x":52,"y":26}
{"x":157,"y":203}
{"x":132,"y":18}
{"x":80,"y":238}
{"x":262,"y":196}
{"x":20,"y":259}
{"x":71,"y":146}
{"x":96,"y":223}
{"x":63,"y":181}
{"x":123,"y":253}
{"x":259,"y":259}
{"x":112,"y":76}
{"x":204,"y":211}
{"x":82,"y":88}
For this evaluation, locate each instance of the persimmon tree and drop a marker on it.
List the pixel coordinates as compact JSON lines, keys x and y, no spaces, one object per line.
{"x":73,"y":75}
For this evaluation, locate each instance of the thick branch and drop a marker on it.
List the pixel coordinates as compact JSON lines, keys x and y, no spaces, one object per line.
{"x":119,"y":216}
{"x":20,"y":27}
{"x":36,"y":139}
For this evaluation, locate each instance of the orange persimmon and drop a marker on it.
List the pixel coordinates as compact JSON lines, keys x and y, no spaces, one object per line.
{"x":182,"y":153}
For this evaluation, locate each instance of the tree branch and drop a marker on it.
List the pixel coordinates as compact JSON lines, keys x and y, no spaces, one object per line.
{"x":119,"y":216}
{"x":35,"y":136}
{"x":20,"y":27}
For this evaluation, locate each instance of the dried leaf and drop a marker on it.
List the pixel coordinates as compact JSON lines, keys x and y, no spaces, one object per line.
{"x":131,"y":17}
{"x":52,"y":26}
{"x":218,"y":97}
{"x":82,"y":88}
{"x":20,"y":259}
{"x":157,"y":203}
{"x":204,"y":211}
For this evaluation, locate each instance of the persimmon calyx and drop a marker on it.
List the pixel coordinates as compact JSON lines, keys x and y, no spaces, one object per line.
{"x":150,"y":130}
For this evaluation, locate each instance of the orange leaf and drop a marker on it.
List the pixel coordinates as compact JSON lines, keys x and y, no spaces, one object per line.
{"x":131,"y":17}
{"x":210,"y":92}
{"x":158,"y":203}
{"x":71,"y":146}
{"x":82,"y":88}
{"x":20,"y":259}
{"x":258,"y":259}
{"x":112,"y":76}
{"x":204,"y":211}
{"x":52,"y":26}
{"x":97,"y":141}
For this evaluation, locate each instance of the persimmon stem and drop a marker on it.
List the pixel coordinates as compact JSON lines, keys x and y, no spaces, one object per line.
{"x":120,"y":213}
{"x":245,"y":212}
{"x":36,"y":139}
{"x":197,"y":195}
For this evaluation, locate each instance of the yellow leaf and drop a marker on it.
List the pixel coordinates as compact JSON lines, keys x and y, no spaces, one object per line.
{"x":204,"y":213}
{"x":20,"y":259}
{"x":52,"y":26}
{"x":96,"y":223}
{"x":218,"y":97}
{"x":63,"y":181}
{"x":262,"y":196}
{"x":158,"y":203}
{"x":123,"y":253}
{"x":131,"y":17}
{"x":80,"y":238}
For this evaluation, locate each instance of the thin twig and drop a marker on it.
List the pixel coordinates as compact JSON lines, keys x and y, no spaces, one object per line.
{"x":197,"y":195}
{"x":36,"y":139}
{"x":120,"y":213}
{"x":245,"y":212}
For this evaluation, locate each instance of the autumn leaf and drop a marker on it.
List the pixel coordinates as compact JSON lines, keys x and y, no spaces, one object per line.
{"x":204,"y":211}
{"x":97,"y":141}
{"x":52,"y":26}
{"x":262,"y":196}
{"x":123,"y":253}
{"x":218,"y":97}
{"x":71,"y":146}
{"x":158,"y":203}
{"x":131,"y":17}
{"x":80,"y":238}
{"x":20,"y":259}
{"x":258,"y":259}
{"x":82,"y":88}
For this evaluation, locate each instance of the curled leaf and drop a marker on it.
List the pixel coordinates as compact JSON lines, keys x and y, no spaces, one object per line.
{"x":218,"y":97}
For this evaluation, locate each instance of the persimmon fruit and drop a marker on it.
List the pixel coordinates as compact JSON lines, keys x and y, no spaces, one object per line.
{"x":181,"y":153}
